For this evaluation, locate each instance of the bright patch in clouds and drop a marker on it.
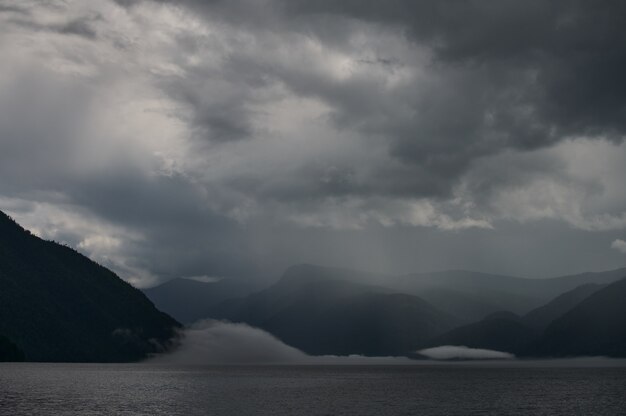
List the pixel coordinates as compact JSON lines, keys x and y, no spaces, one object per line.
{"x":619,"y":245}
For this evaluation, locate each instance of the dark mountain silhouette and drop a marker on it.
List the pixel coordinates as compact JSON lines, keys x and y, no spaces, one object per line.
{"x":57,"y":305}
{"x":317,"y":311}
{"x":468,"y":296}
{"x":9,"y":351}
{"x":190,"y":300}
{"x":505,"y":331}
{"x":325,"y":310}
{"x":492,"y":292}
{"x":543,"y":316}
{"x":471,"y":296}
{"x":501,"y":331}
{"x":463,"y":294}
{"x":596,"y":326}
{"x":516,"y":294}
{"x":467,"y":307}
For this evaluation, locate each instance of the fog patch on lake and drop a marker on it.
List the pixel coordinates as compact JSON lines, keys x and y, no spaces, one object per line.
{"x":461,"y":352}
{"x":211,"y":342}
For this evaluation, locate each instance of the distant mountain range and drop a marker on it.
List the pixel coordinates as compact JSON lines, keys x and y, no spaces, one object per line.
{"x":543,"y":316}
{"x":322,"y":315}
{"x":189,"y":300}
{"x":501,"y":331}
{"x":595,"y":326}
{"x":468,"y":296}
{"x":472,"y":295}
{"x":324,"y":310}
{"x":57,"y":305}
{"x":587,"y":321}
{"x":506,"y":331}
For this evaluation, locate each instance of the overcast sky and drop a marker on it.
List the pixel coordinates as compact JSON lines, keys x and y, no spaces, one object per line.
{"x":235,"y":138}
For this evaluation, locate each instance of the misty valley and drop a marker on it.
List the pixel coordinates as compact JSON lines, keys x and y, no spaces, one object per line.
{"x":312,"y":207}
{"x":326,"y":311}
{"x":316,"y":341}
{"x":56,"y":305}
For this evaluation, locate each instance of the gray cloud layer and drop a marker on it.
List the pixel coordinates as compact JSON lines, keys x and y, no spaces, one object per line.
{"x":229,"y":138}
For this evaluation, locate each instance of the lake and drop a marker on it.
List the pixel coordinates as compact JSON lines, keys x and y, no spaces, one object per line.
{"x":546,"y":388}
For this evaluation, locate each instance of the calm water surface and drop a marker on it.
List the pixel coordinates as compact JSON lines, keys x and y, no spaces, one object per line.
{"x":143,"y":389}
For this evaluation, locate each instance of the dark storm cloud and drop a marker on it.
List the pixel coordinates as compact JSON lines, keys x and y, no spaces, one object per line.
{"x":186,"y":237}
{"x":172,"y":211}
{"x":82,"y":26}
{"x":168,"y":209}
{"x":239,"y":137}
{"x":126,"y":3}
{"x":574,"y":49}
{"x":518,"y":75}
{"x":11,"y":9}
{"x":219,"y":110}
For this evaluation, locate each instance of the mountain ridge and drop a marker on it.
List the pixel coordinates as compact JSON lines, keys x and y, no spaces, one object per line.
{"x":338,"y":317}
{"x":595,"y":326}
{"x":58,"y":305}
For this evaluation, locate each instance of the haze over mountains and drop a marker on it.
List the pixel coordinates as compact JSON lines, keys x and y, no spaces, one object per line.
{"x":57,"y":305}
{"x":323,"y":310}
{"x":469,"y":296}
{"x":237,"y":140}
{"x":596,"y":326}
{"x":190,"y":300}
{"x":323,"y":315}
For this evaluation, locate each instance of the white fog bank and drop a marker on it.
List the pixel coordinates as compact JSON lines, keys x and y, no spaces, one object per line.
{"x":460,"y":352}
{"x":215,"y":342}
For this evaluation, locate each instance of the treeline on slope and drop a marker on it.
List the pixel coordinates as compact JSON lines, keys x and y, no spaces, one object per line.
{"x":58,"y":305}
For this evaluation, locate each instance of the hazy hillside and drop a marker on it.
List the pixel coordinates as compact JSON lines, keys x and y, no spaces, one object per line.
{"x":502,"y":331}
{"x":596,"y":326}
{"x":468,"y":296}
{"x":587,"y":320}
{"x":57,"y":305}
{"x":320,"y":314}
{"x":189,"y":300}
{"x":466,"y":306}
{"x":325,"y":310}
{"x":516,"y":294}
{"x":543,"y":316}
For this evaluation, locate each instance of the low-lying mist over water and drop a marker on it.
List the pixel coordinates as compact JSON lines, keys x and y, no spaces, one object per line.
{"x":461,"y":352}
{"x":454,"y":315}
{"x":213,"y":342}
